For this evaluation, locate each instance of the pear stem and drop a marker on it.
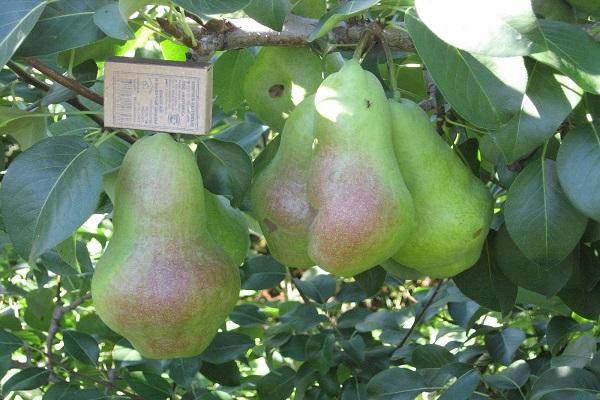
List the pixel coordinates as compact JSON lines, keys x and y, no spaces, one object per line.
{"x":363,"y":44}
{"x":389,"y":59}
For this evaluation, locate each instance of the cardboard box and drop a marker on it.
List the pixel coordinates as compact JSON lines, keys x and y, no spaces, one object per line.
{"x":158,"y":95}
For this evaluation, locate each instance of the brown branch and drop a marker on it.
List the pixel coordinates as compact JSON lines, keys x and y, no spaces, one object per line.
{"x":27,"y":78}
{"x":59,"y":311}
{"x":421,"y":314}
{"x":69,"y":83}
{"x":245,"y":32}
{"x":177,"y":32}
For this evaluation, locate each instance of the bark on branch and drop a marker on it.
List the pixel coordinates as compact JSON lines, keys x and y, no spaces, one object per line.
{"x":218,"y":35}
{"x":245,"y":32}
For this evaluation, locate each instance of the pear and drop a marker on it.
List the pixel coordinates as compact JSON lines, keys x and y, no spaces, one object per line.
{"x":363,"y":209}
{"x":279,"y":193}
{"x":163,"y":282}
{"x":226,"y":225}
{"x":453,"y":207}
{"x":278,"y":80}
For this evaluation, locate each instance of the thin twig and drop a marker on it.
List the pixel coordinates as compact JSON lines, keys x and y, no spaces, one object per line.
{"x":59,"y":311}
{"x":27,"y":78}
{"x":69,"y":83}
{"x":177,"y":32}
{"x":421,"y":314}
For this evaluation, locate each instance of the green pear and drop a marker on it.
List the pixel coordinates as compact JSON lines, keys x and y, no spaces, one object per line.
{"x":363,"y":209}
{"x":163,"y":282}
{"x":278,"y":80}
{"x":453,"y":207}
{"x":227,"y":225}
{"x":279,"y":193}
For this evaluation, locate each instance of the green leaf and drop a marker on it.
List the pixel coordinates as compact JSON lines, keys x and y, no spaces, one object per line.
{"x":578,"y":300}
{"x":558,"y":330}
{"x":226,"y":374}
{"x":81,"y":346}
{"x":174,"y":51}
{"x":486,"y":284}
{"x":573,"y":52}
{"x":355,"y":349}
{"x":319,"y":351}
{"x":486,"y":91}
{"x":565,"y":383}
{"x":149,"y":386}
{"x":25,"y":127}
{"x":64,"y":25}
{"x":549,"y":99}
{"x":354,"y":390}
{"x":303,"y":318}
{"x":247,"y":315}
{"x":511,"y":378}
{"x":502,"y":345}
{"x":52,"y":260}
{"x":464,"y":386}
{"x":371,"y":280}
{"x":200,"y":7}
{"x":226,"y":168}
{"x":128,"y":7}
{"x":183,"y":370}
{"x":396,"y":384}
{"x":577,"y":354}
{"x":229,"y":72}
{"x":320,"y":288}
{"x":66,"y":391}
{"x":110,"y":20}
{"x":17,"y":19}
{"x":277,"y":384}
{"x":309,"y":8}
{"x":26,"y":379}
{"x":9,"y":343}
{"x":49,"y":191}
{"x":262,"y":272}
{"x":499,"y":28}
{"x":40,"y":307}
{"x":339,"y":14}
{"x":526,"y":273}
{"x":578,"y":157}
{"x":227,"y":346}
{"x":245,"y":134}
{"x":431,"y":356}
{"x":271,"y":13}
{"x":539,"y":217}
{"x":199,"y":394}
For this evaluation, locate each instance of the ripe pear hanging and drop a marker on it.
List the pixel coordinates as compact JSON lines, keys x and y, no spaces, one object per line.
{"x":453,"y":207}
{"x":334,"y":195}
{"x":163,"y":283}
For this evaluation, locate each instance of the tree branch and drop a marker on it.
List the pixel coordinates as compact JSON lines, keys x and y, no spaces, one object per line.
{"x":59,"y":311}
{"x":69,"y":83}
{"x":30,"y":80}
{"x":421,"y":314}
{"x":245,"y":32}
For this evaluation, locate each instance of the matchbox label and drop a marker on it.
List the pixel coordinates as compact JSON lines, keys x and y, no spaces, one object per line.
{"x":169,"y":98}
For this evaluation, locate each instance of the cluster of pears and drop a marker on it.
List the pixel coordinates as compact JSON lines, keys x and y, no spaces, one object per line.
{"x":359,"y":179}
{"x":169,"y":276}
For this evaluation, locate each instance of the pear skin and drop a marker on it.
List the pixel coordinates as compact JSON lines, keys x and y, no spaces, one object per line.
{"x":363,"y":209}
{"x":279,"y":193}
{"x":227,"y":226}
{"x":453,"y":207}
{"x":163,"y":282}
{"x":278,"y":80}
